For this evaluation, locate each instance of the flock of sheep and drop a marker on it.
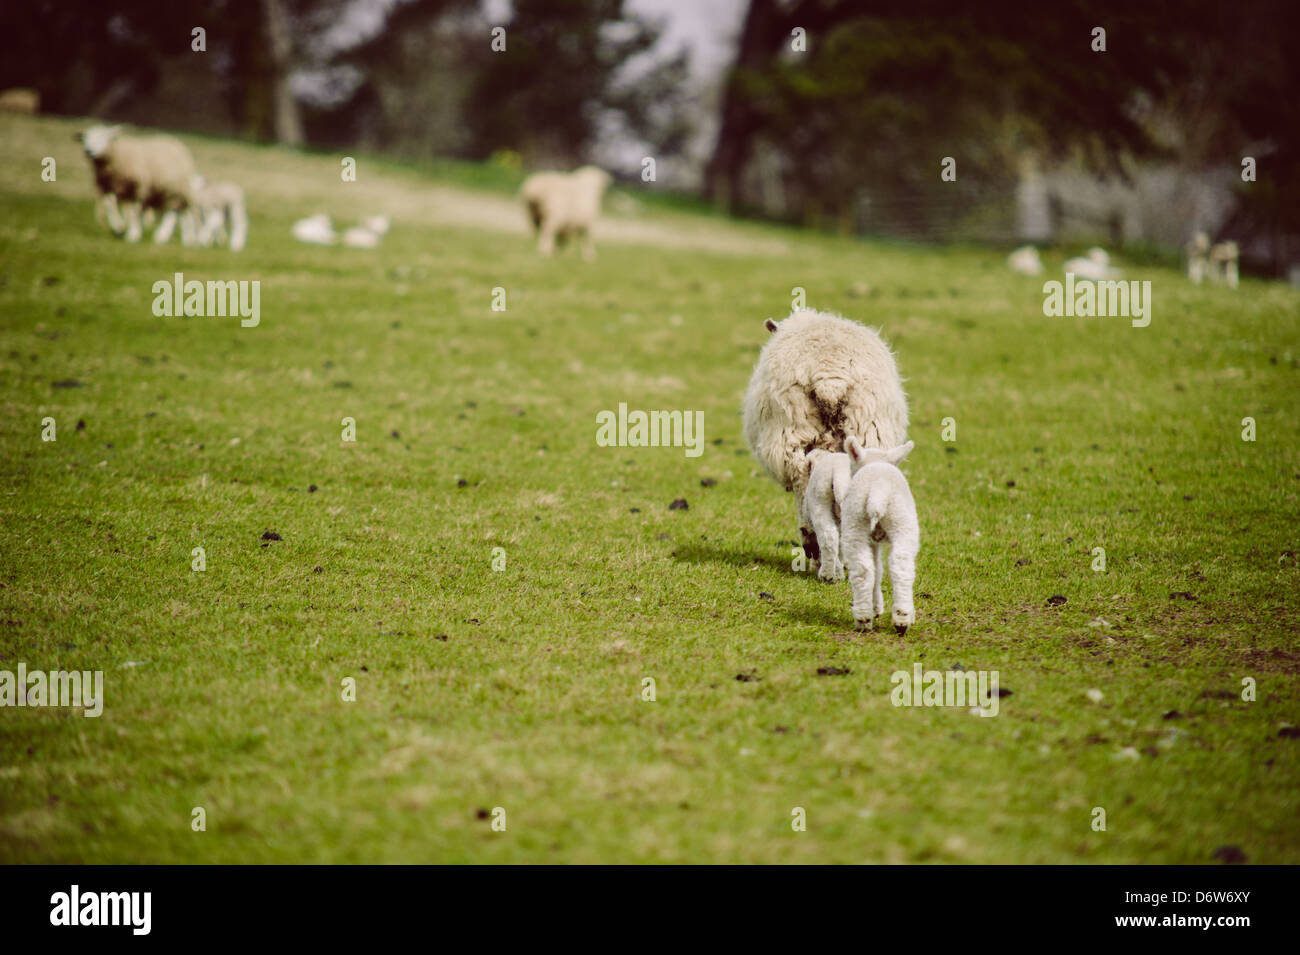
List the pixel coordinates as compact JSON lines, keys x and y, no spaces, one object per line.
{"x":1217,"y":262}
{"x":141,"y":176}
{"x":137,"y":177}
{"x":826,"y":417}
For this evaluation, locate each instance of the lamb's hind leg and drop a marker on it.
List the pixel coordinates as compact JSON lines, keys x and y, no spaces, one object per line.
{"x":877,"y":597}
{"x":902,"y":574}
{"x":828,"y":545}
{"x":860,"y":564}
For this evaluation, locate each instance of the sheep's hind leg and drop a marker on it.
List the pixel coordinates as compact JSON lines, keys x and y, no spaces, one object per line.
{"x":828,"y":544}
{"x":902,"y":575}
{"x":860,"y":565}
{"x":878,"y":598}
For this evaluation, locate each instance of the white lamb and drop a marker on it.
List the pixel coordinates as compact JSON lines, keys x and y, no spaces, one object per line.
{"x":819,"y":379}
{"x":222,"y":214}
{"x":1223,"y":263}
{"x":565,"y":206}
{"x":879,"y":509}
{"x":1198,"y":251}
{"x":315,"y":230}
{"x":1025,"y":261}
{"x":142,"y":173}
{"x":1094,"y":265}
{"x":819,"y":508}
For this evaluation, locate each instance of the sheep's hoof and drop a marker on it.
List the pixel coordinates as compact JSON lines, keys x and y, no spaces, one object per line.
{"x":900,"y":629}
{"x":862,"y":623}
{"x":830,"y":575}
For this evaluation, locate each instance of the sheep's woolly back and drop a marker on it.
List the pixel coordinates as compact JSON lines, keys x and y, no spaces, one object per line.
{"x":157,"y":171}
{"x":819,"y":379}
{"x":565,"y":200}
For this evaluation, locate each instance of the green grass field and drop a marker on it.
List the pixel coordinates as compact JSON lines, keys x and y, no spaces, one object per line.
{"x":521,"y":688}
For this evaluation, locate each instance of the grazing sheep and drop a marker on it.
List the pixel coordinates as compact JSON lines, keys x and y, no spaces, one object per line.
{"x":1025,"y":261}
{"x":1094,"y":265}
{"x":819,"y":508}
{"x":1223,"y":263}
{"x":222,"y":214}
{"x":819,"y":379}
{"x":878,"y":509}
{"x":142,"y":173}
{"x":565,"y":205}
{"x":1198,"y":251}
{"x":20,"y":99}
{"x":316,"y":230}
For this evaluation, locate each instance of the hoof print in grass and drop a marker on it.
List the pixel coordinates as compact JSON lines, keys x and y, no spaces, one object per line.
{"x":271,"y":536}
{"x":66,"y":383}
{"x":1173,"y":715}
{"x":748,"y":676}
{"x":1023,"y":562}
{"x":442,"y":637}
{"x":834,"y":671}
{"x":482,"y":814}
{"x":708,"y":482}
{"x":1181,"y":595}
{"x":1055,"y":600}
{"x":765,"y":596}
{"x":678,"y":505}
{"x":312,"y":489}
{"x":318,"y":569}
{"x":461,"y":482}
{"x":1229,"y":855}
{"x":81,"y":424}
{"x":1289,"y":732}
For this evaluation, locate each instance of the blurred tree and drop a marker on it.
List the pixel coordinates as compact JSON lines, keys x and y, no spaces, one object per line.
{"x":547,"y":93}
{"x":887,"y":88}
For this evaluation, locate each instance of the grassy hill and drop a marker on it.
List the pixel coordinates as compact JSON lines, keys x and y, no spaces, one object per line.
{"x":521,"y":688}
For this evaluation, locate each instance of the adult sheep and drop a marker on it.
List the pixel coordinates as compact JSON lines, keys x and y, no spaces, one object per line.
{"x":156,"y":172}
{"x":565,"y":205}
{"x":819,"y":380}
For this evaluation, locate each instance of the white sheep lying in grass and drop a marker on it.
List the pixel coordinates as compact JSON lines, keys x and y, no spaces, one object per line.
{"x":315,"y":230}
{"x":878,"y":509}
{"x":565,"y":205}
{"x":819,"y":380}
{"x":222,"y":214}
{"x":1093,"y":265}
{"x":141,"y":173}
{"x":819,"y":508}
{"x":1025,"y":261}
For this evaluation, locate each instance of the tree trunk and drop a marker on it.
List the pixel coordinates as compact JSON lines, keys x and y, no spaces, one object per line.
{"x":286,"y":119}
{"x":761,"y":31}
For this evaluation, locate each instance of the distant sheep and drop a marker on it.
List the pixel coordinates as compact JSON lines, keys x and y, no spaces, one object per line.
{"x":222,"y":213}
{"x":565,"y":206}
{"x":1223,"y":263}
{"x":819,"y":379}
{"x":1025,"y":261}
{"x":20,"y":100}
{"x":819,"y":508}
{"x":1094,"y":265}
{"x":878,"y":509}
{"x":155,"y":172}
{"x":1198,"y":252}
{"x":315,"y":230}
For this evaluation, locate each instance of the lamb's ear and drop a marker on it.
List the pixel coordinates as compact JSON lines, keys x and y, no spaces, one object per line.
{"x":895,"y":457}
{"x":771,"y":325}
{"x":853,"y":449}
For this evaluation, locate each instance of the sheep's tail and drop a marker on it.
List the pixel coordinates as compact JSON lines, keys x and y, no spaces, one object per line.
{"x":876,"y":507}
